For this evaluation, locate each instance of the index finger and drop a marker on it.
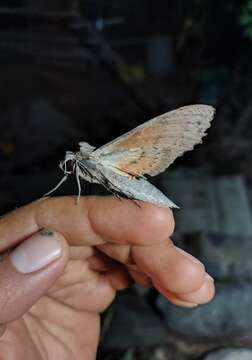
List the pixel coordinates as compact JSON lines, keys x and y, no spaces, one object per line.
{"x":93,"y":221}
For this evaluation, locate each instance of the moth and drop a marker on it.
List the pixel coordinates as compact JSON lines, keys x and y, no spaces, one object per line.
{"x":149,"y":149}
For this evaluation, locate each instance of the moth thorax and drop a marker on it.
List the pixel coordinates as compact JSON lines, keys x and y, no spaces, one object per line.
{"x":85,"y":148}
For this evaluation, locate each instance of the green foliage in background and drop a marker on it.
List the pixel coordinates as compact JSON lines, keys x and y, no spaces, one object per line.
{"x":246,"y":18}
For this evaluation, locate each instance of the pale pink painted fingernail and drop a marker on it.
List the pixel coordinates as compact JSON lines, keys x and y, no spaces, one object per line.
{"x":189,"y":256}
{"x":37,"y":252}
{"x":190,"y":305}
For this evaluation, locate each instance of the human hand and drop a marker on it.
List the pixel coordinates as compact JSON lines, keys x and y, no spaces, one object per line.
{"x":68,"y":263}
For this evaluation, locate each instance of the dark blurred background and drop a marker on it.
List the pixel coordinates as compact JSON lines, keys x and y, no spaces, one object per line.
{"x":90,"y":70}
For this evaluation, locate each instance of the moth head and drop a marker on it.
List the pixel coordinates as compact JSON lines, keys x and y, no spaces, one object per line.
{"x":68,"y":165}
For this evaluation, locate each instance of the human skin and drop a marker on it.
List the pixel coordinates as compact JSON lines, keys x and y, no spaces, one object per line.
{"x":74,"y":259}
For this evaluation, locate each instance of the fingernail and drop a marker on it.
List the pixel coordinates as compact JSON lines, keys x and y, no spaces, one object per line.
{"x":190,"y":305}
{"x":37,"y":252}
{"x":189,"y":256}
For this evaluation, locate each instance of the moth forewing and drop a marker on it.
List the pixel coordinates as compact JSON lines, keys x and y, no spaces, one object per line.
{"x":149,"y":149}
{"x":135,"y":188}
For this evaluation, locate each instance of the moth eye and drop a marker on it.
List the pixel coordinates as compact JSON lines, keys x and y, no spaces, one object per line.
{"x":70,"y":166}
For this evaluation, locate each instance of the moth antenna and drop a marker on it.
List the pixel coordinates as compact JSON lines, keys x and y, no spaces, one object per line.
{"x":57,"y":186}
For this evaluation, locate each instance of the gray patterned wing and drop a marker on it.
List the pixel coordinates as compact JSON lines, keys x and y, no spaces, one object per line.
{"x":151,"y":147}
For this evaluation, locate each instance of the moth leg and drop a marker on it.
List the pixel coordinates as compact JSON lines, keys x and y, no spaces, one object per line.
{"x":132,"y":176}
{"x":116,"y":195}
{"x":136,"y":203}
{"x":111,"y":188}
{"x":127,"y":197}
{"x":130,"y":197}
{"x":78,"y":183}
{"x":116,"y":191}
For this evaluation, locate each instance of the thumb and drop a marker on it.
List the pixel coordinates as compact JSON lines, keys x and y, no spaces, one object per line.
{"x":28,"y":271}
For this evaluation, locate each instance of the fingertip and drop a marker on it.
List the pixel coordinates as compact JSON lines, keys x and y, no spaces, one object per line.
{"x":202,"y":296}
{"x":64,"y":255}
{"x":157,"y":221}
{"x":172,"y":298}
{"x":191,"y":277}
{"x":177,"y":271}
{"x":38,"y":251}
{"x":29,"y":271}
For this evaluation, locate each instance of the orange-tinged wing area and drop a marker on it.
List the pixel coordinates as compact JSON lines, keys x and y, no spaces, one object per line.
{"x":153,"y":146}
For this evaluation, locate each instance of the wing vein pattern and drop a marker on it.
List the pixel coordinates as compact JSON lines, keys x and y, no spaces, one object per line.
{"x":153,"y":146}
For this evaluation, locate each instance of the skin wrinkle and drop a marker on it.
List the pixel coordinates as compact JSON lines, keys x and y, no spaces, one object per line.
{"x":173,"y":299}
{"x":36,"y":339}
{"x":57,"y":292}
{"x":6,"y":297}
{"x":67,"y":278}
{"x":2,"y":329}
{"x":33,"y":345}
{"x":8,"y":242}
{"x":10,"y":286}
{"x":70,"y":352}
{"x":127,"y":256}
{"x":119,"y":278}
{"x":91,"y":224}
{"x":140,"y":277}
{"x":101,"y":263}
{"x":52,"y":296}
{"x":130,"y":259}
{"x":39,"y":214}
{"x":132,"y":268}
{"x":44,"y":324}
{"x":46,"y":328}
{"x":100,"y":281}
{"x":76,"y":212}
